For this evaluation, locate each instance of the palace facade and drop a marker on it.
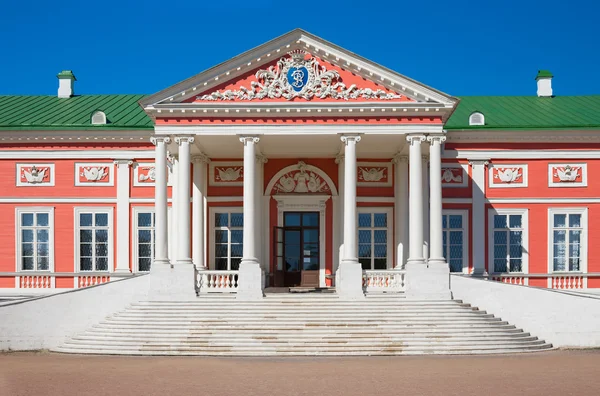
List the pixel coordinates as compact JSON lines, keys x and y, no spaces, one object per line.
{"x":300,"y":164}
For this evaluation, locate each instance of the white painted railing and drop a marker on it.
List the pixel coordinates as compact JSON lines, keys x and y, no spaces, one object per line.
{"x":35,"y":282}
{"x":511,"y":279}
{"x":561,"y":281}
{"x":383,"y":281}
{"x":209,"y":281}
{"x":39,"y":280}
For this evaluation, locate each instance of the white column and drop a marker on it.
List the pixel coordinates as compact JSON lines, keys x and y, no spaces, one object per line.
{"x":349,"y":274}
{"x":160,"y":202}
{"x":425,"y":207}
{"x":401,"y":209}
{"x":123,"y":237}
{"x":250,"y":278}
{"x":198,"y":221}
{"x":436,"y":247}
{"x":478,"y":168}
{"x":183,"y":198}
{"x":339,"y":227}
{"x":258,"y":210}
{"x":416,"y":200}
{"x":173,"y":231}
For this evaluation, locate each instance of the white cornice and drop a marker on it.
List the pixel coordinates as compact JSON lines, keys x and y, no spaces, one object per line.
{"x":521,"y":154}
{"x":523,"y":136}
{"x":76,"y":154}
{"x":76,"y":136}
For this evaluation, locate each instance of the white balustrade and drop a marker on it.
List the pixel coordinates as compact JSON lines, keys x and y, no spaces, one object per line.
{"x":217,"y":281}
{"x":86,"y":281}
{"x":566,"y":281}
{"x":511,"y":279}
{"x":35,"y":282}
{"x":383,"y":281}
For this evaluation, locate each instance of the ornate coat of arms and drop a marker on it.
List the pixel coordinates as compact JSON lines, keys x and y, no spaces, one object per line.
{"x":301,"y":76}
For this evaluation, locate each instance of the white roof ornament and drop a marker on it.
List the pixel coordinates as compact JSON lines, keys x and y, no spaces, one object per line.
{"x":476,"y":118}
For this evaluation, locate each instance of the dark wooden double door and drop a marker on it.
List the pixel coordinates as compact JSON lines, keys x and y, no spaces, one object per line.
{"x":297,"y":251}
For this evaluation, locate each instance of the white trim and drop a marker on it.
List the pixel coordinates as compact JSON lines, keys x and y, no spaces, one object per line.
{"x":557,"y":201}
{"x":76,"y":154}
{"x":294,"y":167}
{"x":524,"y":241}
{"x":307,"y":203}
{"x":583,"y":265}
{"x":135,"y":238}
{"x":136,"y":174}
{"x":524,"y":175}
{"x":18,"y":246}
{"x":465,"y":230}
{"x":387,"y":165}
{"x":111,"y":254}
{"x":111,"y":174}
{"x":389,"y":212}
{"x":211,"y":264}
{"x":225,"y":164}
{"x":51,"y":178}
{"x":582,"y":183}
{"x":464,"y":175}
{"x":494,"y":135}
{"x":521,"y":154}
{"x":123,"y":213}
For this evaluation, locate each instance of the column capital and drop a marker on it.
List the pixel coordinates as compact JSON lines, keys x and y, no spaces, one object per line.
{"x":479,"y":162}
{"x":261,"y":159}
{"x":400,"y":158}
{"x":249,"y":139}
{"x":415,"y":139}
{"x":184,"y":139}
{"x":200,"y":158}
{"x":339,"y":158}
{"x":436,"y":138}
{"x":161,"y":139}
{"x":350,"y":138}
{"x":127,"y":162}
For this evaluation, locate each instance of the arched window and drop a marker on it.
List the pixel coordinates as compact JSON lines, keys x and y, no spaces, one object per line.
{"x":476,"y":118}
{"x":98,"y":118}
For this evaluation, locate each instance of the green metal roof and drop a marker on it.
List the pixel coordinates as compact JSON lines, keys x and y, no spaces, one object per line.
{"x":528,"y":112}
{"x":75,"y":113}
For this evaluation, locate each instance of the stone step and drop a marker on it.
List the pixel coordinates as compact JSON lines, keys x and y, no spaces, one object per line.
{"x":306,"y":316}
{"x":307,"y":309}
{"x":314,"y":321}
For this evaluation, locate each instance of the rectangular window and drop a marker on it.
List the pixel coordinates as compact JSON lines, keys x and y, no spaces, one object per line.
{"x":508,"y":240}
{"x":144,"y":223}
{"x":567,"y":239}
{"x":94,"y":238}
{"x":374,"y":238}
{"x":228,"y":231}
{"x":35,"y":239}
{"x":454,"y":224}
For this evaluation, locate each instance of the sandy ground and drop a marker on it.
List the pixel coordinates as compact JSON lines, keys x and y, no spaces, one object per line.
{"x":550,"y":373}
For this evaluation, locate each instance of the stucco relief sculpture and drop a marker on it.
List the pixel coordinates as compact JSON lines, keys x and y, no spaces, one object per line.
{"x":94,"y":173}
{"x":452,"y":175}
{"x":302,"y":76}
{"x":301,"y":181}
{"x":567,"y":174}
{"x":372,"y":174}
{"x":229,"y":174}
{"x":148,"y":176}
{"x":34,"y":174}
{"x":508,"y":175}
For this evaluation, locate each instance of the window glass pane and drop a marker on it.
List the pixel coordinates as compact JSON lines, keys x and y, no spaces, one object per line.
{"x":291,"y":219}
{"x":42,"y":235}
{"x":310,"y":219}
{"x":221,"y":264}
{"x":380,"y":250}
{"x":380,"y":236}
{"x":499,"y":265}
{"x":27,"y":263}
{"x":455,"y":237}
{"x":560,"y":220}
{"x":455,"y":265}
{"x":444,"y":221}
{"x":516,"y":251}
{"x":85,"y":264}
{"x":364,"y":250}
{"x":456,"y":252}
{"x":574,"y":250}
{"x":101,"y":219}
{"x":516,"y":265}
{"x":514,"y":221}
{"x":516,"y":237}
{"x":499,"y":221}
{"x":365,"y":263}
{"x":144,"y":250}
{"x":85,"y":236}
{"x":380,"y":220}
{"x":574,"y":236}
{"x":237,"y":250}
{"x":235,"y":264}
{"x":27,"y":235}
{"x":559,"y":236}
{"x":500,"y":251}
{"x":42,"y":219}
{"x":574,"y":220}
{"x":85,"y":250}
{"x":292,"y":263}
{"x":311,"y":235}
{"x":144,"y":236}
{"x":42,"y":249}
{"x":559,"y":250}
{"x":27,"y":219}
{"x":221,"y":219}
{"x":574,"y":264}
{"x":364,"y":220}
{"x":27,"y":249}
{"x":380,"y":263}
{"x":221,"y":236}
{"x":43,"y":263}
{"x":559,"y":264}
{"x":102,"y":249}
{"x":144,"y":219}
{"x":237,"y":220}
{"x":101,"y":264}
{"x":144,"y":264}
{"x":85,"y":219}
{"x":101,"y":236}
{"x":364,"y":236}
{"x":455,"y":221}
{"x":237,"y":236}
{"x":220,"y":250}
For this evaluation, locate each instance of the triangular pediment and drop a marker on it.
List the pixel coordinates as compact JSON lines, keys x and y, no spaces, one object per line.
{"x":295,"y":69}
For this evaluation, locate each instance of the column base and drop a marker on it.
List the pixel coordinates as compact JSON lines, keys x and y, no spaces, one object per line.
{"x":250,"y":282}
{"x":428,"y":282}
{"x":122,"y":271}
{"x":479,"y":272}
{"x":349,"y":280}
{"x":172,"y":283}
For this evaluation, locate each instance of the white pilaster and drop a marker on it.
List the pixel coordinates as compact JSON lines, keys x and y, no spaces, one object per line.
{"x":183,"y":198}
{"x":160,"y":202}
{"x":250,"y":276}
{"x":478,"y":215}
{"x":123,"y":237}
{"x":198,"y":211}
{"x":401,"y":209}
{"x":349,"y":274}
{"x":436,"y":246}
{"x":425,"y":176}
{"x":415,"y":256}
{"x":338,"y":233}
{"x":258,"y":209}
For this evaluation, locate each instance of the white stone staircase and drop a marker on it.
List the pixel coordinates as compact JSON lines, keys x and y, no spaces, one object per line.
{"x":311,"y":324}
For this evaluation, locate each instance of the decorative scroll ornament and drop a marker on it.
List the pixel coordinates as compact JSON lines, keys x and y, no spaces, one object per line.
{"x":372,"y":174}
{"x":229,"y":174}
{"x":302,"y":76}
{"x":449,"y":176}
{"x":508,"y":175}
{"x":35,"y":175}
{"x":567,"y":174}
{"x":148,"y":177}
{"x":94,"y":173}
{"x":301,"y":181}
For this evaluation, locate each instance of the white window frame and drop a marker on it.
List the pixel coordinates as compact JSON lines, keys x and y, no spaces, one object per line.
{"x":472,"y":120}
{"x":465,"y":229}
{"x":583,"y":264}
{"x":111,"y":253}
{"x":19,"y":248}
{"x":524,"y":242}
{"x":389,"y":211}
{"x":135,"y":249}
{"x":220,"y":209}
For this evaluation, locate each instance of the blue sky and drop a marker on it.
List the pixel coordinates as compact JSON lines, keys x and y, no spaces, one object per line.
{"x":459,"y":47}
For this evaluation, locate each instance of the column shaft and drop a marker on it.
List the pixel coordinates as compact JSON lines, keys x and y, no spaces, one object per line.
{"x":401,"y":210}
{"x":435,"y":203}
{"x":160,"y":201}
{"x":183,"y":197}
{"x":416,"y":200}
{"x":339,"y":232}
{"x":198,"y":194}
{"x":425,"y":196}
{"x":350,"y":247}
{"x":249,"y":249}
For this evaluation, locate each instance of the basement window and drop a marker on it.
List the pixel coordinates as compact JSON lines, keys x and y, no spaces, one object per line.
{"x":98,"y":118}
{"x":476,"y":118}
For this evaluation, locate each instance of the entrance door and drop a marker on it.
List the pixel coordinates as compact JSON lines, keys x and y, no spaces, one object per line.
{"x":299,"y":238}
